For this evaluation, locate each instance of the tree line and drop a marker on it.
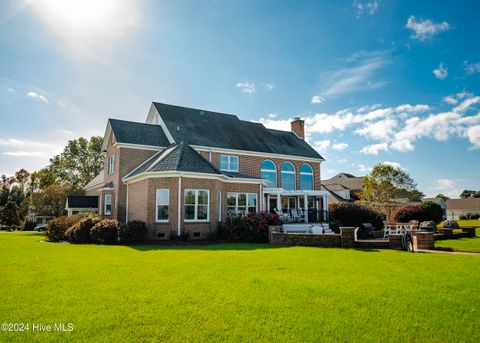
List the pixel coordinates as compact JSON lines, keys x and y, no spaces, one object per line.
{"x":44,"y":192}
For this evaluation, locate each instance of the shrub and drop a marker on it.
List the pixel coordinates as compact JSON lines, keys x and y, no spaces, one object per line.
{"x":257,"y":224}
{"x":183,"y":237}
{"x":351,"y":214}
{"x":405,"y":213}
{"x":132,"y":232}
{"x":80,"y":232}
{"x":451,"y":224}
{"x":433,"y":211}
{"x":29,"y":225}
{"x":57,"y":227}
{"x":475,"y":216}
{"x":105,"y":232}
{"x":462,"y":217}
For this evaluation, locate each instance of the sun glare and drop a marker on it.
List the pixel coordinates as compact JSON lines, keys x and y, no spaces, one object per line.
{"x":87,"y":21}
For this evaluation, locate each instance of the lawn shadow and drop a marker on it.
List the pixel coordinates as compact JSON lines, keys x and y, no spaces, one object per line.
{"x":206,"y":246}
{"x":443,"y":249}
{"x":367,"y":249}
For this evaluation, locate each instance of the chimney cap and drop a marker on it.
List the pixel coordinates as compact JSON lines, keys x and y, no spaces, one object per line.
{"x":297,"y":118}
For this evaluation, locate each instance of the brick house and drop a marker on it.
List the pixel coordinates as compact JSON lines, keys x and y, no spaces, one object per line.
{"x":186,"y":170}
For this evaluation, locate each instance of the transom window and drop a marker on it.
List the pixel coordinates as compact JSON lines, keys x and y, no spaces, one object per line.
{"x":197,"y":205}
{"x":162,"y":203}
{"x":111,"y":164}
{"x":229,"y":163}
{"x":107,"y":206}
{"x":288,"y":176}
{"x":306,"y":177}
{"x":268,"y":172}
{"x":240,"y":204}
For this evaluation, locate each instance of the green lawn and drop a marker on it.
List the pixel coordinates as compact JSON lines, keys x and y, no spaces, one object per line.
{"x":461,"y":244}
{"x":236,"y":292}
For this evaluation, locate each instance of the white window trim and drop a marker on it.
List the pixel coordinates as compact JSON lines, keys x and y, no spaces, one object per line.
{"x":105,"y":205}
{"x":111,"y":164}
{"x":270,"y":171}
{"x":294,"y":172}
{"x":246,"y":206}
{"x":229,"y":163}
{"x":156,"y":205}
{"x":311,"y":173}
{"x":195,"y":220}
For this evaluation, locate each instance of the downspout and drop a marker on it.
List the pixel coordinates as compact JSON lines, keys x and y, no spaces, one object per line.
{"x":126,"y":209}
{"x":179,"y":213}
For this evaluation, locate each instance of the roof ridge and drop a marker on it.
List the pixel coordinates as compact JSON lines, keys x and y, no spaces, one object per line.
{"x":201,"y":156}
{"x":196,"y":109}
{"x":182,"y":151}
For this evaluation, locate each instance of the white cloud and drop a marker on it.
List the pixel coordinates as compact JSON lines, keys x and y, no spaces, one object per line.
{"x":322,"y":145}
{"x":425,"y":29}
{"x":11,"y":90}
{"x":394,"y":165}
{"x":379,"y":130}
{"x":317,"y":99}
{"x":246,"y":87}
{"x":358,"y":76}
{"x":23,"y":153}
{"x":374,"y":149}
{"x":448,"y":187}
{"x":269,"y":86}
{"x":450,"y":100}
{"x":471,"y":68}
{"x":272,"y":115}
{"x":38,"y":97}
{"x":277,"y":124}
{"x":466,"y":104}
{"x":340,"y":146}
{"x":473,"y":134}
{"x":366,"y":7}
{"x":441,"y":72}
{"x":363,"y":168}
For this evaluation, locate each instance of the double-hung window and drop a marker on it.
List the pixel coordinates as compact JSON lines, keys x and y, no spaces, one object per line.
{"x":229,"y":163}
{"x":162,"y":202}
{"x":240,"y":204}
{"x":107,"y":204}
{"x":197,"y":205}
{"x":111,"y":164}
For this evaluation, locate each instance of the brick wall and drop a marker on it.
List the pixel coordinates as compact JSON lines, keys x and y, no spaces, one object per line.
{"x":250,"y":165}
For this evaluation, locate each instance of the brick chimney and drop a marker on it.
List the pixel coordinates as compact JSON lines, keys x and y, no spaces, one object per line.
{"x":298,"y":127}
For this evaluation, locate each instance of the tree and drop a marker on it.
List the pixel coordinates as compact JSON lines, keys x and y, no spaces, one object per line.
{"x":22,"y":177}
{"x":385,"y":183}
{"x":51,"y":201}
{"x":9,"y":214}
{"x":80,"y":161}
{"x":467,"y":193}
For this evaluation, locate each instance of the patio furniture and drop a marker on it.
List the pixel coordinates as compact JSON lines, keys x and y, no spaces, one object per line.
{"x":397,"y":229}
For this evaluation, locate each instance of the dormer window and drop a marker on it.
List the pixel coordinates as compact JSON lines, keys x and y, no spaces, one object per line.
{"x":229,"y":163}
{"x":111,"y":164}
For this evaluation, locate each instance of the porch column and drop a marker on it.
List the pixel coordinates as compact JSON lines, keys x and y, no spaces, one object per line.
{"x":279,"y":202}
{"x":268,"y":203}
{"x":325,"y":206}
{"x":305,"y":203}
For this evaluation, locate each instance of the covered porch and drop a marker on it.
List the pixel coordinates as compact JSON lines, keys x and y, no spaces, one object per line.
{"x":297,"y":206}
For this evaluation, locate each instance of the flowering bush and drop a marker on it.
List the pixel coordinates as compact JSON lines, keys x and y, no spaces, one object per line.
{"x":351,"y":214}
{"x":405,"y":213}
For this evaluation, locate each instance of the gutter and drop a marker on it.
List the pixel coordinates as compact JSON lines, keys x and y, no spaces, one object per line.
{"x":179,"y":210}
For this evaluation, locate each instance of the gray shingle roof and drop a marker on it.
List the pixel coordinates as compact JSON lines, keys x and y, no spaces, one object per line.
{"x":463,"y":204}
{"x":138,"y":133}
{"x":178,"y":157}
{"x":212,"y":129}
{"x":348,"y":181}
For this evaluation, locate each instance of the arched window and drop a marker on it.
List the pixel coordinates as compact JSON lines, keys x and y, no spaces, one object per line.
{"x":306,"y":177}
{"x":288,"y":176}
{"x":268,"y":172}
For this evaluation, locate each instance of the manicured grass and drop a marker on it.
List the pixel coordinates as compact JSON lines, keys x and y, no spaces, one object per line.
{"x":466,"y":222}
{"x":236,"y":292}
{"x":461,"y":244}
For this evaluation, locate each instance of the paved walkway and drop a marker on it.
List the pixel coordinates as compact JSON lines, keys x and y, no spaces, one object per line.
{"x":448,"y":252}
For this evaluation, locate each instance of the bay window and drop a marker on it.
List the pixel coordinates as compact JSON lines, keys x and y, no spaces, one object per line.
{"x":240,"y":204}
{"x":197,"y":205}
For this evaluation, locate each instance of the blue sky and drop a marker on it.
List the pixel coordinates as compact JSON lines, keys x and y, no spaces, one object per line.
{"x":376,"y":81}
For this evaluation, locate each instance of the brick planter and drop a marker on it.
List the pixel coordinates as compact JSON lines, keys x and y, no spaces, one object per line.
{"x":423,"y":240}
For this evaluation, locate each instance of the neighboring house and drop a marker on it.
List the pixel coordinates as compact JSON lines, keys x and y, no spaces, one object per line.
{"x":81,"y":204}
{"x":458,"y":207}
{"x":343,"y":187}
{"x":440,"y":202}
{"x":186,"y":170}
